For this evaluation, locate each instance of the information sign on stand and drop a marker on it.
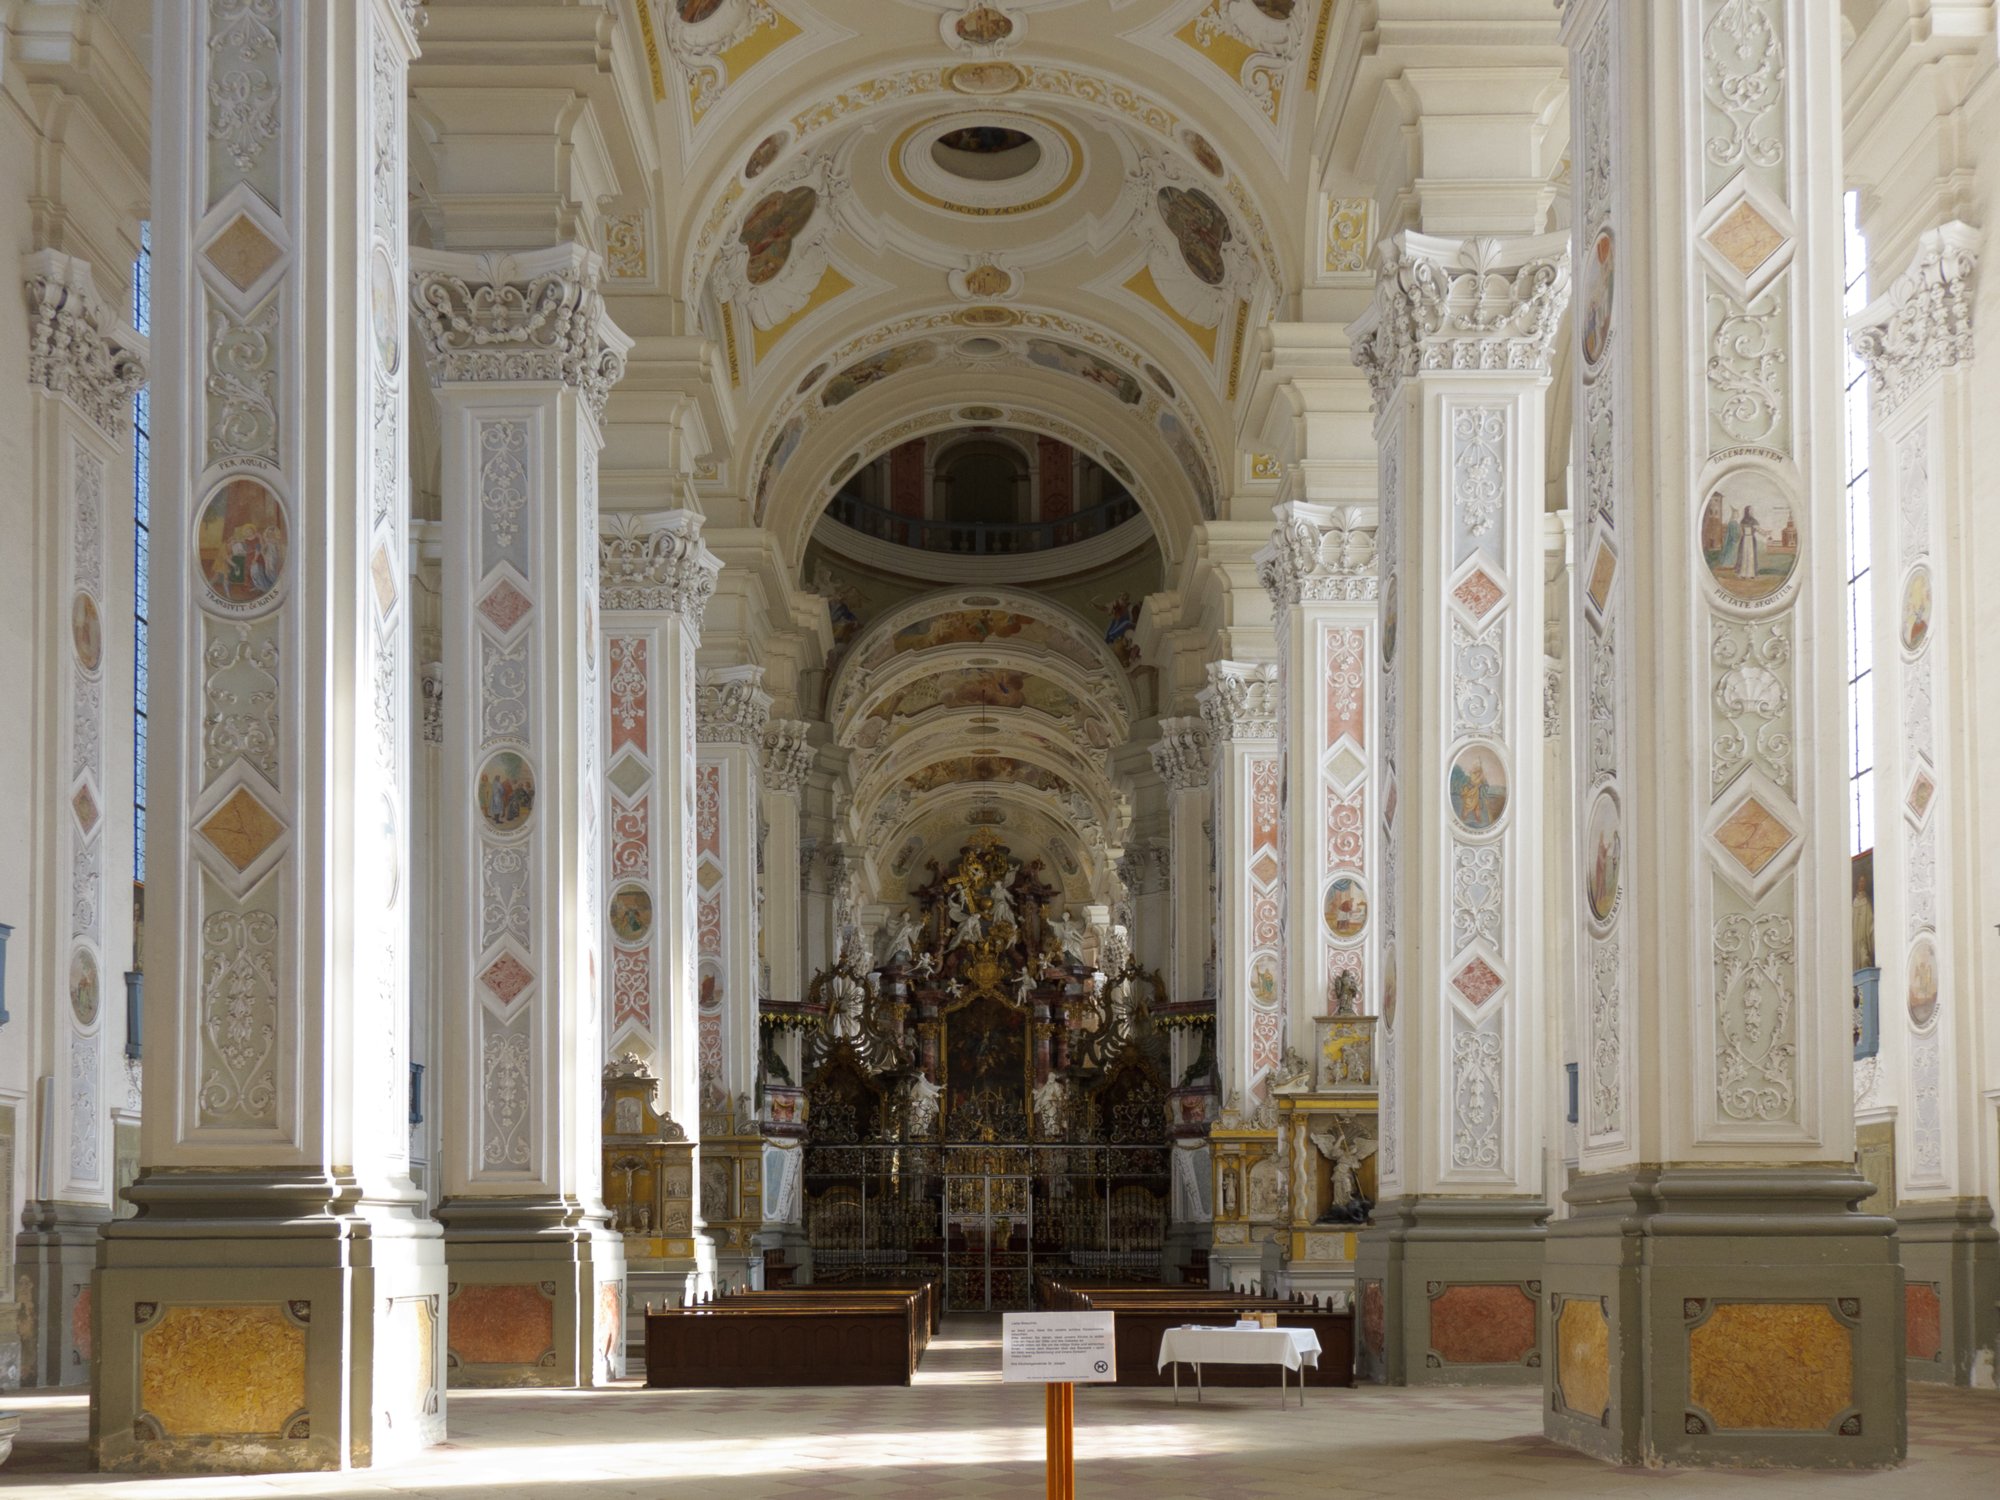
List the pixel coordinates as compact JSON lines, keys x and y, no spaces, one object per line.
{"x":1055,"y":1350}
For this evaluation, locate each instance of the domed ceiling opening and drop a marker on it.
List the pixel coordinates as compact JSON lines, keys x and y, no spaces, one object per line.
{"x":986,"y":153}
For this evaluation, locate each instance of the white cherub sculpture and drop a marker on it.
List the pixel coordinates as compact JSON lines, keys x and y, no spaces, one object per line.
{"x":1069,"y":932}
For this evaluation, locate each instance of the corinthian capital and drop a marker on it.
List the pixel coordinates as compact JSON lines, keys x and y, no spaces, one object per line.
{"x":1319,"y":553}
{"x":788,"y":754}
{"x":1923,"y":323}
{"x":1181,"y":756}
{"x":1240,"y":701}
{"x":76,"y":346}
{"x":656,"y":560}
{"x":731,"y":706}
{"x":1477,"y":304}
{"x":533,"y":317}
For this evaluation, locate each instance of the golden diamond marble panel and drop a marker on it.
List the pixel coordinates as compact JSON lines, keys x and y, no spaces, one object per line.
{"x":241,"y":829}
{"x":243,"y":252}
{"x":1771,"y":1366}
{"x":234,"y":1371}
{"x":1753,"y":835}
{"x":1745,"y":238}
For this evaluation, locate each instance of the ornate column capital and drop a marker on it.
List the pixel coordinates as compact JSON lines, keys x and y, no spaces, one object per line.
{"x":1181,"y":756}
{"x":1923,"y":323}
{"x":656,"y":560}
{"x":1240,"y":701}
{"x":495,"y":316}
{"x":788,"y":754}
{"x":1479,"y":304}
{"x":76,"y":346}
{"x":731,"y":706}
{"x":1319,"y":553}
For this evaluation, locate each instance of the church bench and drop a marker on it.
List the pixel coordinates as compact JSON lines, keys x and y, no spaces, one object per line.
{"x":844,"y":1294}
{"x":933,"y":1290}
{"x":830,"y":1343}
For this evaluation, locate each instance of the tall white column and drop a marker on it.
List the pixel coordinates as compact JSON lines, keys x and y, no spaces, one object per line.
{"x":523,"y":356}
{"x":788,"y":760}
{"x":1457,"y":347}
{"x":84,"y":366}
{"x":1715,"y":1297}
{"x":1181,"y":758}
{"x":278,"y":1303}
{"x":1917,"y":341}
{"x":731,"y":711}
{"x":1320,"y":573}
{"x":1185,"y":901}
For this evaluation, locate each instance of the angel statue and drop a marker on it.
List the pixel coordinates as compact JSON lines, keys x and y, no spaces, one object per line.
{"x":1024,"y":988}
{"x":925,"y":966}
{"x":1069,"y":932}
{"x":1294,"y":1072}
{"x":966,"y":926}
{"x":898,"y":938}
{"x":920,"y":1103}
{"x":1346,"y":1204}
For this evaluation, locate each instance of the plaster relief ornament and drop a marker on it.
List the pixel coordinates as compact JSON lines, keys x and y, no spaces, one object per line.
{"x":1199,"y":261}
{"x":981,"y":28}
{"x":1479,"y":788}
{"x":1256,"y":41}
{"x":1749,"y":535}
{"x":241,"y":543}
{"x":984,"y":279}
{"x":505,"y":793}
{"x":1346,"y":1204}
{"x":985,"y":78}
{"x":779,"y":253}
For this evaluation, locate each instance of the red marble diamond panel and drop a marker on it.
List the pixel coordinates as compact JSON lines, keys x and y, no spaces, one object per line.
{"x":507,"y":976}
{"x":1477,"y":981}
{"x":504,"y":605}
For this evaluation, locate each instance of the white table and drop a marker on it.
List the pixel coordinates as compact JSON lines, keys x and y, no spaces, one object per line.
{"x":1287,"y":1348}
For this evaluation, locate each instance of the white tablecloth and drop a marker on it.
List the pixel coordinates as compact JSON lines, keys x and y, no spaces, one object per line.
{"x":1290,"y":1347}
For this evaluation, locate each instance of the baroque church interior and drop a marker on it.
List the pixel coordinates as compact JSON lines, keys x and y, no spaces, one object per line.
{"x":702,"y":692}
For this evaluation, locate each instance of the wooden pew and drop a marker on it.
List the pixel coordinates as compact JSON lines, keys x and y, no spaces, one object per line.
{"x":932,"y":1287}
{"x":806,"y":1296}
{"x":755,"y":1339}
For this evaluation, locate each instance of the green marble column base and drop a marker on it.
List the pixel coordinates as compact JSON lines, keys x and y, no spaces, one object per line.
{"x":1448,"y":1292}
{"x":259,"y":1322}
{"x":1951,"y":1289}
{"x":1726,"y":1316}
{"x":53,"y":1260}
{"x":537,"y":1294}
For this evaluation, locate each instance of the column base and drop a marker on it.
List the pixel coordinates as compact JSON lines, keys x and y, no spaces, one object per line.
{"x":10,"y":1346}
{"x":1723,"y":1317}
{"x":258,"y":1322}
{"x":1246,"y":1267}
{"x":53,"y":1261}
{"x":1450,"y":1291}
{"x":537,"y":1294}
{"x":1951,"y":1283}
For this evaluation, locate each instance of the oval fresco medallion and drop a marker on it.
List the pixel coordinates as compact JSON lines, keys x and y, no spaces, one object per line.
{"x":1479,"y":788}
{"x":1202,"y":151}
{"x":1159,"y":378}
{"x":506,"y":791}
{"x":385,"y":309}
{"x":1199,"y":227}
{"x":1263,"y":984}
{"x":1597,"y":300}
{"x":765,"y":153}
{"x":631,"y":914}
{"x":86,"y":631}
{"x":983,"y":26}
{"x":1749,"y":535}
{"x":1916,"y":625}
{"x":1389,"y":621}
{"x":1346,"y":909}
{"x":1604,"y":853}
{"x":984,"y":78}
{"x":1389,"y":987}
{"x":240,"y":546}
{"x":812,"y":377}
{"x":1277,"y":10}
{"x":390,"y":850}
{"x":694,"y":12}
{"x":84,"y":996}
{"x":770,"y":228}
{"x":1923,"y":997}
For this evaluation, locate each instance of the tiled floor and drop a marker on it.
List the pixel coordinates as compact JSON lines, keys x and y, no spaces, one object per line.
{"x":959,"y":1433}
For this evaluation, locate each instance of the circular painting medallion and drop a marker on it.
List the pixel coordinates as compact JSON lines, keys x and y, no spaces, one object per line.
{"x":1604,"y":853}
{"x":1597,"y":301}
{"x":1916,"y":626}
{"x":1203,"y":152}
{"x":1346,"y":909}
{"x":631,"y":914}
{"x":1749,"y":535}
{"x":240,"y":546}
{"x":1923,"y":982}
{"x":983,"y":26}
{"x":385,"y":311}
{"x":506,"y":791}
{"x":84,"y":996}
{"x":770,"y":228}
{"x":86,"y":630}
{"x":1199,"y":227}
{"x":1479,"y":788}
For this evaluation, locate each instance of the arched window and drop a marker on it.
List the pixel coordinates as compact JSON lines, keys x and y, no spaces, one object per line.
{"x":983,"y":481}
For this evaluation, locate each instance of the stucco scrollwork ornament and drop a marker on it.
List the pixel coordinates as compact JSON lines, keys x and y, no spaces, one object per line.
{"x":788,"y":754}
{"x":499,"y":317}
{"x":1923,"y":323}
{"x":781,"y":248}
{"x":731,"y":706}
{"x":1200,"y":258}
{"x":656,"y":561}
{"x":1477,"y":304}
{"x":1319,"y":553}
{"x":1181,"y":756}
{"x":1240,"y":701}
{"x":76,"y":347}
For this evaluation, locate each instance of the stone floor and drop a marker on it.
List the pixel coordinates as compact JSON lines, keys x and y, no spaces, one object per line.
{"x":960,"y":1433}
